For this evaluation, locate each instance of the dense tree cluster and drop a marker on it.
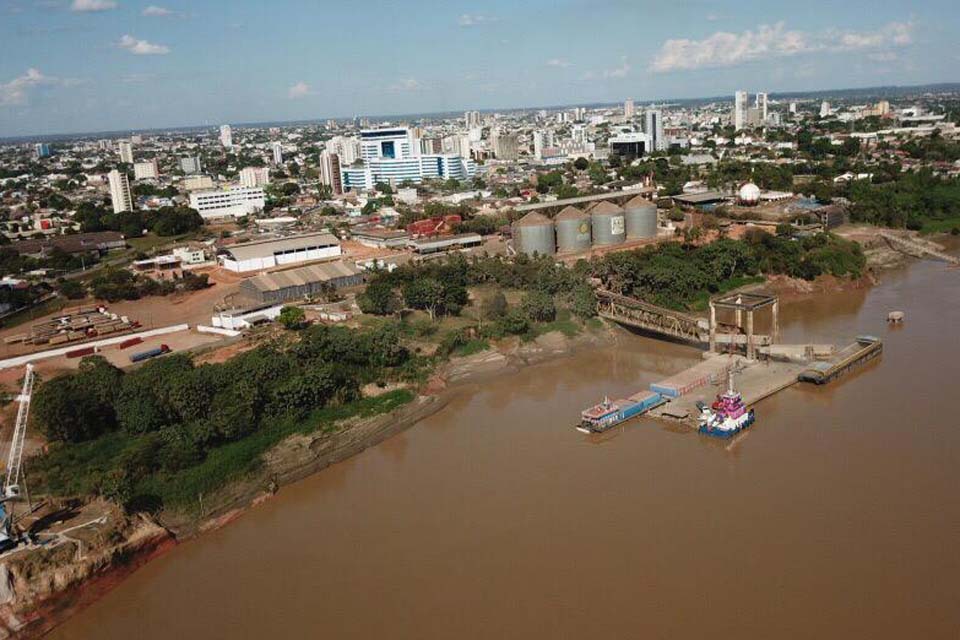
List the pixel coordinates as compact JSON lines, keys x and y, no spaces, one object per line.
{"x":171,"y":414}
{"x":912,"y":200}
{"x":165,"y":221}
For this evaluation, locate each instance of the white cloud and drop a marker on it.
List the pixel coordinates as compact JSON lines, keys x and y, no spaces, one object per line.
{"x":558,"y":62}
{"x":619,"y":72}
{"x":474,"y":20}
{"x":406,"y":84}
{"x":724,"y":49}
{"x":88,"y":6}
{"x":17,"y":91}
{"x":142,"y":47}
{"x":299,"y":90}
{"x":153,"y":11}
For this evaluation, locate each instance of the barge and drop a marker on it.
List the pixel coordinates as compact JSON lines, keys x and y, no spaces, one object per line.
{"x":610,"y":413}
{"x":866,"y":348}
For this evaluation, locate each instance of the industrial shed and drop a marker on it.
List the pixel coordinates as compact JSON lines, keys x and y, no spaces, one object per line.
{"x":266,"y":254}
{"x":296,"y":284}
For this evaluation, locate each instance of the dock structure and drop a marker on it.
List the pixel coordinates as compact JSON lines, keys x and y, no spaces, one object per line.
{"x":740,"y":304}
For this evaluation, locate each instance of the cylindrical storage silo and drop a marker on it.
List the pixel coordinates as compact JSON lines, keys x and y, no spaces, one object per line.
{"x":641,"y":217}
{"x":573,"y":230}
{"x":533,"y":233}
{"x":608,"y":224}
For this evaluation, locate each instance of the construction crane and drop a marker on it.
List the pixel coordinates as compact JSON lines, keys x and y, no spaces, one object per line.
{"x":11,"y":483}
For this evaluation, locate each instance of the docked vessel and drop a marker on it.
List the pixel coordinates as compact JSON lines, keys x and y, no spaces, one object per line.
{"x":727,"y":416}
{"x":607,"y":414}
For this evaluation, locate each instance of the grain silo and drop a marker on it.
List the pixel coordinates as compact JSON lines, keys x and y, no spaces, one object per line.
{"x":573,"y":230}
{"x":533,"y":233}
{"x":608,"y":224}
{"x":641,"y":217}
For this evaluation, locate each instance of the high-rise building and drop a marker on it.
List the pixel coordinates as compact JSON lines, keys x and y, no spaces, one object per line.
{"x":125,"y":149}
{"x":653,"y":127}
{"x":793,"y":107}
{"x":471,"y":119}
{"x":252,"y":177}
{"x":146,"y":170}
{"x":628,"y":109}
{"x":824,"y":109}
{"x":190,"y":164}
{"x":330,"y":172}
{"x":120,"y":194}
{"x":761,"y":105}
{"x":388,"y":156}
{"x":542,"y":139}
{"x":226,"y":136}
{"x":42,"y":150}
{"x":507,"y":147}
{"x":739,"y":110}
{"x":277,"y":153}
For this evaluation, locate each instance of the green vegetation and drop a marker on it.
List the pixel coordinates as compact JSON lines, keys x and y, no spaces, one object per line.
{"x":158,"y":435}
{"x":684,"y":276}
{"x":165,"y":221}
{"x":920,"y":201}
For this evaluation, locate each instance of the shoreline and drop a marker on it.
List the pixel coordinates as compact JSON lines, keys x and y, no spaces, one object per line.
{"x":68,"y":588}
{"x":78,"y":584}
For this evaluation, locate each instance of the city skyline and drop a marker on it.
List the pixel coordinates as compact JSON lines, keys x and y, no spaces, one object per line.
{"x":508,"y":57}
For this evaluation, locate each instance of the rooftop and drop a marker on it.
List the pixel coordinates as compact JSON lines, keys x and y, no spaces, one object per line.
{"x":261,"y":248}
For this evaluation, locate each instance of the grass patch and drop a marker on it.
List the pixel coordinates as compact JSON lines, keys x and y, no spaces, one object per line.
{"x":153,"y":241}
{"x":940,"y":226}
{"x":567,"y":327}
{"x":470,"y":348}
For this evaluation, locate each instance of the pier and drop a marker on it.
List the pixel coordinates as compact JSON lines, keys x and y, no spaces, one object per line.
{"x":762,"y":366}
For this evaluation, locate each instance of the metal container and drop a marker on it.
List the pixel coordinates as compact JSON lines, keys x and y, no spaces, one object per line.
{"x":608,"y":224}
{"x":573,"y":230}
{"x":641,"y":219}
{"x":534,"y":233}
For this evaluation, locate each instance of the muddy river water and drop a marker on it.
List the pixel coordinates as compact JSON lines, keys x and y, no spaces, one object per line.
{"x":836,"y":516}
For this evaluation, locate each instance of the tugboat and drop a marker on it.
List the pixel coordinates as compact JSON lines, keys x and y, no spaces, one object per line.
{"x":727,"y":416}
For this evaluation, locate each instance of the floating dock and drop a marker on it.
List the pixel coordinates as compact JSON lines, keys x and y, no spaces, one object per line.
{"x":866,"y":348}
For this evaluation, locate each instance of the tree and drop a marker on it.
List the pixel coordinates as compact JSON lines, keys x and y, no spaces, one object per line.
{"x":425,"y":293}
{"x":581,"y":164}
{"x":379,"y":298}
{"x":292,"y":317}
{"x":539,"y":306}
{"x":71,"y":289}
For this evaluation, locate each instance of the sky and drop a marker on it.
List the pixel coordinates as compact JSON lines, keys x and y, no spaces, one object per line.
{"x":99,"y":65}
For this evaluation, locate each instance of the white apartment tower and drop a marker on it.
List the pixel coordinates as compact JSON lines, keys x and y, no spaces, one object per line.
{"x":739,"y":110}
{"x":653,"y":127}
{"x":125,"y":149}
{"x":762,"y":106}
{"x":146,"y":170}
{"x":628,"y":109}
{"x":253,"y":177}
{"x":120,"y":192}
{"x":226,"y":136}
{"x":277,"y":153}
{"x":330,"y":172}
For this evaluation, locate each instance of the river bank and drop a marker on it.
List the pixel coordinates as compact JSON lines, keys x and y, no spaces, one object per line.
{"x":40,"y":589}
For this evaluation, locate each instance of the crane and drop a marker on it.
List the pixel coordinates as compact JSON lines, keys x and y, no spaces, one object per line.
{"x":11,"y":483}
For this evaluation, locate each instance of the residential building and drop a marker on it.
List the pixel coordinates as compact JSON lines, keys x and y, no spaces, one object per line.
{"x":189,"y":255}
{"x":739,"y":110}
{"x":120,"y":194}
{"x":824,"y":109}
{"x":254,"y":177}
{"x":507,"y":147}
{"x":197,"y":183}
{"x":226,"y":136}
{"x":633,"y":144}
{"x":761,"y":105}
{"x":146,"y":170}
{"x":330,"y":172}
{"x":471,"y":119}
{"x":233,"y":202}
{"x":653,"y":127}
{"x":42,"y":150}
{"x":628,"y":108}
{"x":277,"y":153}
{"x":125,"y":149}
{"x":190,"y":165}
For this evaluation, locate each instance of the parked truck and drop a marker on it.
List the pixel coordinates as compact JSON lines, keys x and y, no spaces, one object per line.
{"x":152,"y":353}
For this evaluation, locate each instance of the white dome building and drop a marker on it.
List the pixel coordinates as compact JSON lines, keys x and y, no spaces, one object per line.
{"x":749,"y":194}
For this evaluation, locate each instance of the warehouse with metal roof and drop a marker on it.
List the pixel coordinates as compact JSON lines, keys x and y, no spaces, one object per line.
{"x":266,"y":254}
{"x":300,"y":283}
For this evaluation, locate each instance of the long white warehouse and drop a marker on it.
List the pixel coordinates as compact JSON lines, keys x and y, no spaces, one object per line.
{"x":266,"y":254}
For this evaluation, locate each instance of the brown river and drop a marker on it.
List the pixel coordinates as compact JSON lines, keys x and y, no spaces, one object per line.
{"x":836,"y":516}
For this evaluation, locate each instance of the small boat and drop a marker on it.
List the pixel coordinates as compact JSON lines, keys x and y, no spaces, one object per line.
{"x":728,"y":415}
